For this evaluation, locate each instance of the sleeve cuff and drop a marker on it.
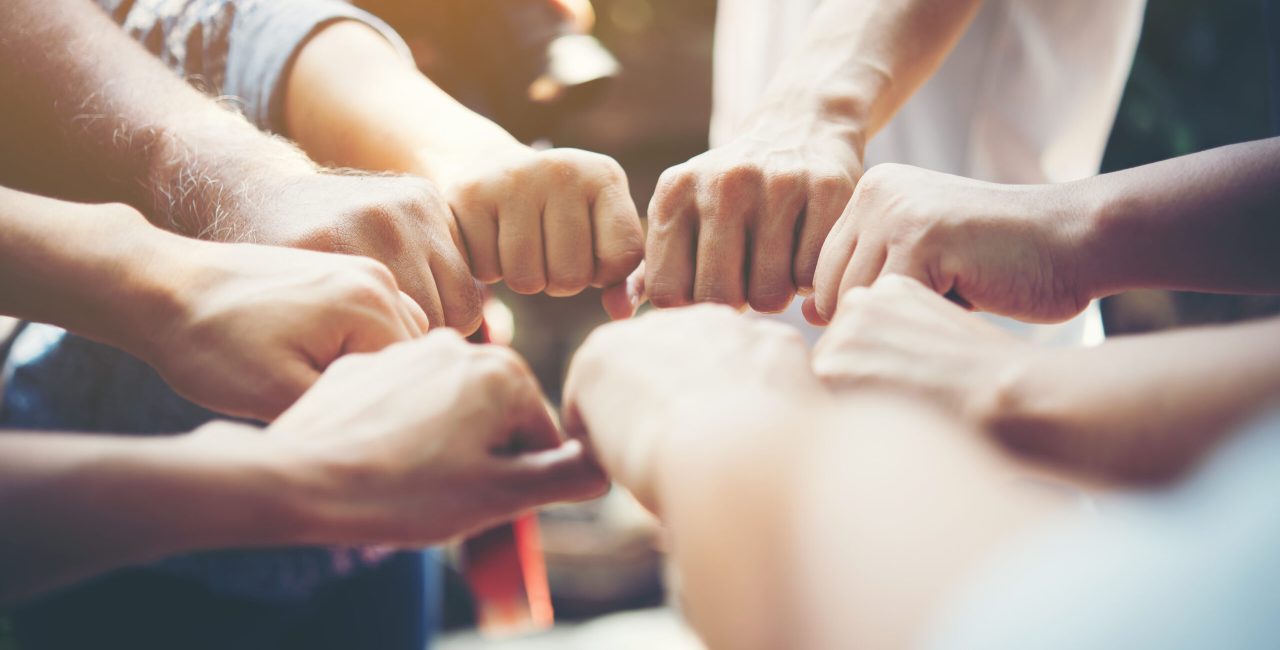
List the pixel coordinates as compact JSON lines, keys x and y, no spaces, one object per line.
{"x":265,"y":39}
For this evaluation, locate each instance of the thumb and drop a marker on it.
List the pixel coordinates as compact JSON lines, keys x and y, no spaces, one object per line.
{"x":567,"y":472}
{"x":291,"y":381}
{"x":622,"y":300}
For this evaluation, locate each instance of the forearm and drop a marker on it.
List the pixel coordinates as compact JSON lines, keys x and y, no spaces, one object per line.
{"x":72,"y":506}
{"x":1205,"y":222}
{"x":100,"y":109}
{"x":98,"y":270}
{"x":1140,"y":408}
{"x":837,"y":508}
{"x":352,"y":100}
{"x":860,"y":61}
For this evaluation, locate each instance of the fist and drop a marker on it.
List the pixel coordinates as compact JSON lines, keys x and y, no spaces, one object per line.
{"x":744,"y":224}
{"x":1011,"y":250}
{"x":554,"y":221}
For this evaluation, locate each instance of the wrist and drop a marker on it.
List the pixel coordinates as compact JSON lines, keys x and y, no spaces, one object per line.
{"x":447,"y":165}
{"x":1105,"y":244}
{"x":252,"y":495}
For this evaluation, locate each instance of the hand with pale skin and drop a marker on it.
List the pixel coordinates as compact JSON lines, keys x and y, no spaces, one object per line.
{"x":626,"y":368}
{"x":1013,"y":250}
{"x":744,"y":223}
{"x":1040,"y":253}
{"x":554,"y":221}
{"x":899,"y":335}
{"x":430,"y":440}
{"x":750,"y":461}
{"x":1086,"y":409}
{"x":423,"y":442}
{"x":238,"y":328}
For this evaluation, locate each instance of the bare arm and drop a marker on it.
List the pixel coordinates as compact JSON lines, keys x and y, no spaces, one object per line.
{"x":781,"y":183}
{"x":797,"y":518}
{"x":1132,"y":409}
{"x":1209,"y":221}
{"x":556,"y":221}
{"x":358,"y":460}
{"x":238,"y":328}
{"x":73,"y":505}
{"x":1141,"y":408}
{"x":103,"y":111}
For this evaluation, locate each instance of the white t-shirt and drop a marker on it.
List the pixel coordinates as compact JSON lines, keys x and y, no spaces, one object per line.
{"x":1028,"y":95}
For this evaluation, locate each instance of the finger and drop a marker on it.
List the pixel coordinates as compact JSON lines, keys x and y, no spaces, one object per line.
{"x":722,"y":249}
{"x":566,"y":472}
{"x":530,"y":422}
{"x":461,"y":296}
{"x":416,"y":279}
{"x":619,"y":239}
{"x":520,"y":246}
{"x":671,"y":248}
{"x":827,"y":200}
{"x":865,"y":266}
{"x":770,"y":286}
{"x":566,"y":224}
{"x":617,"y":302}
{"x":836,"y":254}
{"x":810,"y":310}
{"x":478,"y":227}
{"x":414,"y":316}
{"x":291,"y":380}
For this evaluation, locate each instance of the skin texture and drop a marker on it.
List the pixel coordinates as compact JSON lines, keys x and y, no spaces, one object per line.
{"x":104,"y":111}
{"x":1204,"y":222}
{"x":743,"y":224}
{"x":826,"y":500}
{"x":358,"y":460}
{"x":238,"y":328}
{"x":1132,"y":410}
{"x":555,"y":221}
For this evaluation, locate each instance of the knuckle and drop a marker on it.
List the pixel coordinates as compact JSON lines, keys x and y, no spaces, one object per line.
{"x":668,"y":294}
{"x":771,"y":297}
{"x":672,"y":195}
{"x":831,"y":187}
{"x":568,"y":283}
{"x":783,"y":183}
{"x":526,"y":282}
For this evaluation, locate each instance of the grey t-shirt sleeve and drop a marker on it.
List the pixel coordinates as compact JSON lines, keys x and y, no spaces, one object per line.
{"x":237,"y":50}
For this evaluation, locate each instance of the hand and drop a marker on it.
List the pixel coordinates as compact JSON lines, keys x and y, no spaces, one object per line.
{"x":900,"y":335}
{"x":744,"y":223}
{"x":555,"y":221}
{"x":248,"y":329}
{"x":669,"y":390}
{"x":429,"y":440}
{"x":400,"y":221}
{"x":1006,"y":249}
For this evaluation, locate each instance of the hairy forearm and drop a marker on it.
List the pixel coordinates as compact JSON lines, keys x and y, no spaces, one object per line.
{"x":353,"y":101}
{"x":75,"y":505}
{"x":1205,"y":222}
{"x":860,"y":61}
{"x":101,"y":110}
{"x":1141,"y":408}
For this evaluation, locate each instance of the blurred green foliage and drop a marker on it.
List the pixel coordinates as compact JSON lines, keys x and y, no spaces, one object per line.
{"x":6,"y":635}
{"x":1200,"y":80}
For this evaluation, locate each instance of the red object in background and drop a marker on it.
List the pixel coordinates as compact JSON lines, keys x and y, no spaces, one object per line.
{"x":507,"y":574}
{"x":506,"y":571}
